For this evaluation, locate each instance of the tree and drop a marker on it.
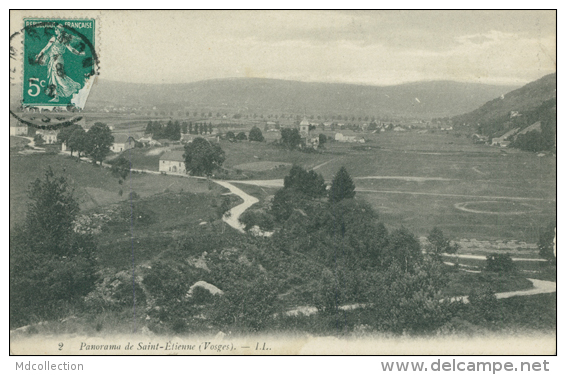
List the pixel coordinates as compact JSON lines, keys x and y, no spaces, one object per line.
{"x":411,"y":301}
{"x":329,"y":295}
{"x":173,"y":131}
{"x":256,"y":135}
{"x":342,"y":187}
{"x":38,"y":140}
{"x":50,"y":264}
{"x":404,"y":249}
{"x":121,"y":167}
{"x":98,"y":141}
{"x":77,"y":141}
{"x":241,"y":136}
{"x":546,"y":243}
{"x":65,"y":133}
{"x":322,"y":139}
{"x":290,"y":138}
{"x":51,"y":212}
{"x":202,"y":157}
{"x":440,"y":244}
{"x":285,"y":201}
{"x":230,"y":135}
{"x":310,"y":183}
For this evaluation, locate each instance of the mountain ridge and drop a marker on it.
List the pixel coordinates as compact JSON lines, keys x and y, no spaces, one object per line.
{"x":262,"y":95}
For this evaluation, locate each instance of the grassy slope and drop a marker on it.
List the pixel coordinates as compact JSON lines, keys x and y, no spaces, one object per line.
{"x":94,"y":186}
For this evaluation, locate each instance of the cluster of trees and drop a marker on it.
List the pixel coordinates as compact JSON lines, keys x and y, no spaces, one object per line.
{"x":535,"y":141}
{"x":95,"y":142}
{"x":51,"y":266}
{"x":202,"y":157}
{"x":290,"y":138}
{"x":171,"y":131}
{"x":197,"y":128}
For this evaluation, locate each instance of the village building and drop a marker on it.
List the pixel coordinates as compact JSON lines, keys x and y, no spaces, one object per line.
{"x":339,"y":137}
{"x":122,"y":142}
{"x":17,"y":128}
{"x":503,"y":140}
{"x":308,"y":139}
{"x":49,"y":136}
{"x":479,"y":139}
{"x":172,"y":162}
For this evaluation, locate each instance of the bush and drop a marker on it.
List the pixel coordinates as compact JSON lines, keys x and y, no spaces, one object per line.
{"x":247,"y":305}
{"x":256,"y":135}
{"x":115,"y":292}
{"x":483,"y":305}
{"x":202,"y":295}
{"x":262,"y":219}
{"x":412,"y":301}
{"x":499,"y":263}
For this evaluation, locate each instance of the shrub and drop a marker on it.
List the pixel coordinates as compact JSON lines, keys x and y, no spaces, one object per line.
{"x":483,"y":305}
{"x":412,"y":301}
{"x":248,"y":305}
{"x":262,"y":219}
{"x":256,"y":135}
{"x":499,"y":263}
{"x":202,"y":295}
{"x":115,"y":292}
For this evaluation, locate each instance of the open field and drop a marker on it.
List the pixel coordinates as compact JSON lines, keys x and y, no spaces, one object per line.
{"x":173,"y":215}
{"x":426,"y":180}
{"x":94,"y":186}
{"x":18,"y":142}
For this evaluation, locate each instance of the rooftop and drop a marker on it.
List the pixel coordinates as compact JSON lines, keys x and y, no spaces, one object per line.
{"x":121,"y":137}
{"x":173,"y":156}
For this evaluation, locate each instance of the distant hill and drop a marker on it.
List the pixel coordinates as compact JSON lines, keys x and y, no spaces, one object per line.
{"x":271,"y":96}
{"x":529,"y":111}
{"x":518,"y":107}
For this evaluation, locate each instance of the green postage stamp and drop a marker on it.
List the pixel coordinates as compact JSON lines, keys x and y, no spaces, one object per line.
{"x":59,"y":62}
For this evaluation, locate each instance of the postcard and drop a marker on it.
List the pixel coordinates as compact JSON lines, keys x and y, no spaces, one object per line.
{"x":283,"y":183}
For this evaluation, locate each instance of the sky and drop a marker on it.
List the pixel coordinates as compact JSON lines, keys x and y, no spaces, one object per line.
{"x":363,"y":47}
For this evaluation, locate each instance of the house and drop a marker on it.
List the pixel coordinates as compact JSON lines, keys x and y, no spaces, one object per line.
{"x":17,"y":128}
{"x":172,"y":162}
{"x":148,"y":141}
{"x":49,"y":136}
{"x":339,"y":137}
{"x":502,"y":141}
{"x":479,"y":139}
{"x":122,"y":142}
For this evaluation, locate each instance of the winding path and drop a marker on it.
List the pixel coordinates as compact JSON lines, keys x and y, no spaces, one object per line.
{"x":233,"y":217}
{"x":539,"y":287}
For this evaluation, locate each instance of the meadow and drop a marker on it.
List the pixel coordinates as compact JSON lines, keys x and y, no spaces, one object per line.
{"x":425,"y":180}
{"x":93,"y":186}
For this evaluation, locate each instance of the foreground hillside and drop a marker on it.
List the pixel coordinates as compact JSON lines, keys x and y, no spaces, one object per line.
{"x":255,"y":95}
